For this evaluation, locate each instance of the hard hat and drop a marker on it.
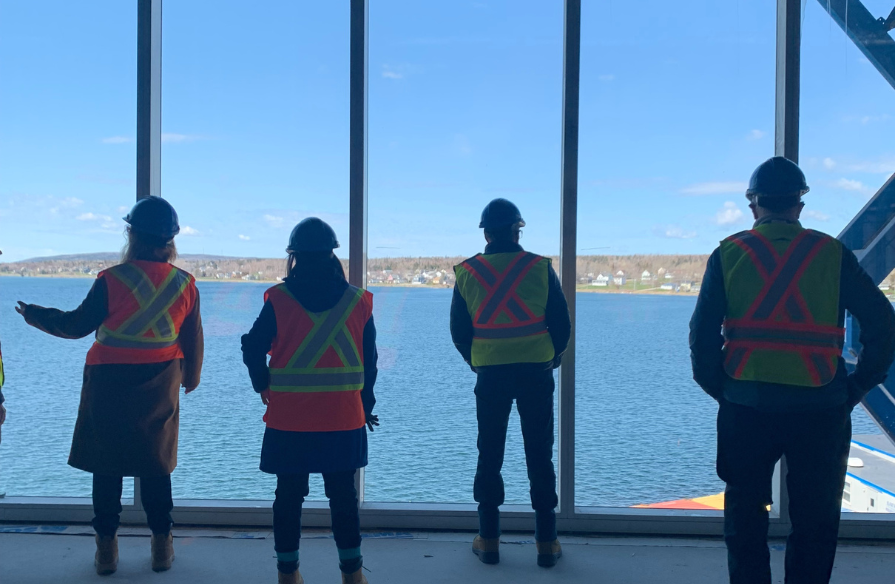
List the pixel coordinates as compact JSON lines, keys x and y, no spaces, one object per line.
{"x":312,"y":234}
{"x":777,"y":177}
{"x":154,"y":216}
{"x":500,"y":213}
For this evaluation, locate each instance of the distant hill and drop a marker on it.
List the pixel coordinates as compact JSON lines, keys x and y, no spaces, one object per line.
{"x":109,"y":256}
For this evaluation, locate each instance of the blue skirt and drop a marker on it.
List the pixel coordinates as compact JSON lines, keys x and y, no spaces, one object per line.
{"x":313,"y":452}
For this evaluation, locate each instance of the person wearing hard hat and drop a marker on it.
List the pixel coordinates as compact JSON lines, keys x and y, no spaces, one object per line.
{"x":149,"y":343}
{"x":766,"y":341}
{"x":318,"y":389}
{"x":510,"y":323}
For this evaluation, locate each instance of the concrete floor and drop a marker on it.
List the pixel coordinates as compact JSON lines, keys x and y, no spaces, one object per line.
{"x":59,"y":554}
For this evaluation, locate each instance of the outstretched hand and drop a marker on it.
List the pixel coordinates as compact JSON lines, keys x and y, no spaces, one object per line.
{"x":372,"y":421}
{"x":189,"y":390}
{"x":265,"y":396}
{"x":21,"y":308}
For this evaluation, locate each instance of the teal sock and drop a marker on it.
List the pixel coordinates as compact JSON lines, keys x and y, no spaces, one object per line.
{"x":350,"y":560}
{"x":287,"y":562}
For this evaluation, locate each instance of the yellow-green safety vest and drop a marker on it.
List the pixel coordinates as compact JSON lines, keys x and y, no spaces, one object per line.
{"x":506,"y":295}
{"x":782,"y":322}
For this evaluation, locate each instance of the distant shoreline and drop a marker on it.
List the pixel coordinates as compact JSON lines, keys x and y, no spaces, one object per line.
{"x":582,"y":290}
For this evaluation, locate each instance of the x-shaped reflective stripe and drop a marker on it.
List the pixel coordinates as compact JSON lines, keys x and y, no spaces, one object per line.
{"x":143,"y":289}
{"x":781,"y":293}
{"x":329,"y":332}
{"x":501,"y":288}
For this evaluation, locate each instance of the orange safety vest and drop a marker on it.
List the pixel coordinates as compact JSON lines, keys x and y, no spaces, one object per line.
{"x":782,"y":305}
{"x":317,"y":363}
{"x":147,"y":304}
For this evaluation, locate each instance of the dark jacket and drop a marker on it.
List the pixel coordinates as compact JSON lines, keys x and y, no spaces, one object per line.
{"x":857,"y":294}
{"x":306,"y":452}
{"x":129,"y":415}
{"x":559,"y":324}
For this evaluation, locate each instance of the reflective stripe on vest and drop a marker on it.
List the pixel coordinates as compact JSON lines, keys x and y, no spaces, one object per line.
{"x":152,"y":316}
{"x":772,"y":335}
{"x":302,"y":373}
{"x":509,"y":325}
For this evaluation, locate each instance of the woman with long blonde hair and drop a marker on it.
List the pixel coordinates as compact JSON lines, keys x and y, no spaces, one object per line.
{"x":149,"y":342}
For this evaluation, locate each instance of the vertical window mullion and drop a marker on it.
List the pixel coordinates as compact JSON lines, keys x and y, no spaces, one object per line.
{"x":568,"y":248}
{"x":786,"y":143}
{"x":357,"y":245}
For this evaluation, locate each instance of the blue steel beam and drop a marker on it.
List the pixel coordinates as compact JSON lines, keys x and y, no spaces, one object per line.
{"x":871,"y":234}
{"x":871,"y":35}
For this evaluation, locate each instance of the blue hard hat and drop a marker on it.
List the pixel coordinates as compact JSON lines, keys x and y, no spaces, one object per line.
{"x":500,"y":213}
{"x":312,"y":234}
{"x":777,"y":177}
{"x":154,"y":216}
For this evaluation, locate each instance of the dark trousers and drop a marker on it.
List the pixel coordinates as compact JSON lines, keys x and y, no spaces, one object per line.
{"x":155,"y":494}
{"x":494,"y":395}
{"x":342,"y":495}
{"x":816,"y":445}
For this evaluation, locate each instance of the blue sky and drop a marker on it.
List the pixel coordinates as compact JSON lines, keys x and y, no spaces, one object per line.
{"x":677,"y":108}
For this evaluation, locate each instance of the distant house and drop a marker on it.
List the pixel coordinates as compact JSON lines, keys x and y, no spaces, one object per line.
{"x":620,"y":279}
{"x":668,"y":287}
{"x":646,"y":276}
{"x":669,"y":275}
{"x":686,"y":286}
{"x":601,"y":280}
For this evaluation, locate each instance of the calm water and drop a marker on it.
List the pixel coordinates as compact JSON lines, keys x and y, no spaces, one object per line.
{"x":644,"y":430}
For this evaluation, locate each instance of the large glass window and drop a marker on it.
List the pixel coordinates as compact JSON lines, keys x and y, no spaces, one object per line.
{"x":67,"y":158}
{"x":675,"y":114}
{"x":254,"y":139}
{"x":847,"y":116}
{"x":465,"y":106}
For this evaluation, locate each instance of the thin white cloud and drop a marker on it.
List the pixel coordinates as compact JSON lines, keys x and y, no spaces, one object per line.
{"x":867,"y":119}
{"x":884,"y":165}
{"x":117,"y":140}
{"x":816,"y":215}
{"x":848,"y":184}
{"x":675,"y":232}
{"x":69,"y":202}
{"x":462,"y":144}
{"x":729,"y":214}
{"x":714,"y":188}
{"x":606,"y":78}
{"x":93,"y":217}
{"x":829,"y":163}
{"x":187,"y":230}
{"x":171,"y":138}
{"x":244,"y":237}
{"x":756,"y":135}
{"x":275,"y":221}
{"x":392,"y":75}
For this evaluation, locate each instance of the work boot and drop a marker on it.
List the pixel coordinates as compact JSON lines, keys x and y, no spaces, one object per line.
{"x":293,"y":578}
{"x":548,"y":553}
{"x":354,"y":577}
{"x":162,"y":552}
{"x":106,"y":558}
{"x":488,"y":550}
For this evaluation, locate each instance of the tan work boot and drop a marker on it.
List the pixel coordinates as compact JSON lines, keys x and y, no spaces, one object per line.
{"x":354,"y":577}
{"x":488,"y":550}
{"x":162,"y":552}
{"x":293,"y":578}
{"x":548,"y":553}
{"x":106,"y":558}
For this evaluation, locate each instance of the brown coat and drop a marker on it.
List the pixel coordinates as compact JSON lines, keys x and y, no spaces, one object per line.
{"x":128,"y":419}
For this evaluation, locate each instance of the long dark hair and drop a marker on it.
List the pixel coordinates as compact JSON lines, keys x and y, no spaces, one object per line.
{"x":141,"y":246}
{"x":314,"y":265}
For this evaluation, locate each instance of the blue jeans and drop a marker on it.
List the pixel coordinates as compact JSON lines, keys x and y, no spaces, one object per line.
{"x":494,"y":395}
